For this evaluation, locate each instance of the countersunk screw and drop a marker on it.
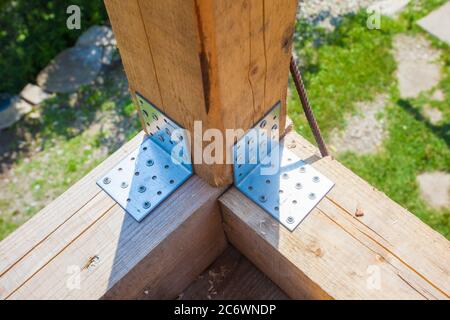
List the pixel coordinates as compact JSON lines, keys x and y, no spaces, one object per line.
{"x":290,"y":220}
{"x":285,"y":176}
{"x":142,"y":189}
{"x":316,"y":179}
{"x":298,"y":185}
{"x":150,"y":163}
{"x":124,"y":185}
{"x":312,"y":196}
{"x":262,"y":198}
{"x":107,"y":180}
{"x":146,"y":205}
{"x":302,"y":169}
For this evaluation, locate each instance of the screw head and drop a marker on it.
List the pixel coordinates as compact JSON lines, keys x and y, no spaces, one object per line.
{"x":290,"y":220}
{"x":285,"y":176}
{"x":150,"y":163}
{"x":302,"y":169}
{"x":316,"y":179}
{"x":146,"y":205}
{"x":142,"y":189}
{"x":263,"y":198}
{"x":107,"y":180}
{"x":298,"y":185}
{"x":124,"y":185}
{"x":312,"y":196}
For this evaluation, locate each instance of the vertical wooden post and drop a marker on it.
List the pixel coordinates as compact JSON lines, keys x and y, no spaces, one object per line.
{"x":222,"y":62}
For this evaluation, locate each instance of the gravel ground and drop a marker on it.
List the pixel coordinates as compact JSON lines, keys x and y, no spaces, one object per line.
{"x":316,"y":9}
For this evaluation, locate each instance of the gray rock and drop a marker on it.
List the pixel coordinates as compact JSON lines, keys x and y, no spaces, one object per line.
{"x":11,"y":110}
{"x":108,"y":55}
{"x":97,"y":36}
{"x":71,"y":68}
{"x":435,"y":188}
{"x":418,"y":69}
{"x":34,"y":94}
{"x":438,"y":23}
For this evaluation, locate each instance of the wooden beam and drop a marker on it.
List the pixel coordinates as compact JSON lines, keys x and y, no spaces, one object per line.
{"x":232,"y":277}
{"x":221,"y":62}
{"x":85,"y":236}
{"x":388,"y":253}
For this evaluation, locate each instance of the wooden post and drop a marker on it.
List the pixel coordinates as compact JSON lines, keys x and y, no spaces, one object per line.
{"x":221,"y":62}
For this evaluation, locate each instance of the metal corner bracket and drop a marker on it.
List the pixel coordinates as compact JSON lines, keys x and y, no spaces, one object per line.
{"x":154,"y":170}
{"x":274,"y":177}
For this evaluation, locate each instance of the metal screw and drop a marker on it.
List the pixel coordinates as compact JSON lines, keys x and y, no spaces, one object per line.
{"x":298,"y":185}
{"x":124,"y":185}
{"x":142,"y":189}
{"x":316,"y":179}
{"x":107,"y":180}
{"x":263,"y":123}
{"x":312,"y":196}
{"x":290,"y":220}
{"x":150,"y":163}
{"x":285,"y":176}
{"x":262,"y":198}
{"x":302,"y":169}
{"x":146,"y":205}
{"x":276,"y":208}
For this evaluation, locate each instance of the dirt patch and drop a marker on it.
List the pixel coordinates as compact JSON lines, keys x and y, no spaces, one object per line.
{"x":365,"y":131}
{"x":418,"y":67}
{"x":435,"y":188}
{"x":433,"y":114}
{"x":438,"y":95}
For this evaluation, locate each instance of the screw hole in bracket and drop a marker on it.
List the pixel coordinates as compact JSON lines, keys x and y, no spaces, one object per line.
{"x":148,"y":175}
{"x":288,"y":192}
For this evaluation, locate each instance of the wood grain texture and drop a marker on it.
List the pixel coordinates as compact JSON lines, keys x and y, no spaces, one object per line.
{"x":222,"y":62}
{"x":232,"y":277}
{"x":335,"y":255}
{"x":84,"y":235}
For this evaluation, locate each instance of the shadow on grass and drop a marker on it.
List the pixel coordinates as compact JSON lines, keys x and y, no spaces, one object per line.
{"x":440,"y":131}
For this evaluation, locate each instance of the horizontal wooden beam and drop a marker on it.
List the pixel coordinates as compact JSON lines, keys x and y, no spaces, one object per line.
{"x":84,"y":246}
{"x":387,"y":253}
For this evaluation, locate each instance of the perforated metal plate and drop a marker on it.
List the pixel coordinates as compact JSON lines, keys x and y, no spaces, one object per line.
{"x":149,"y":174}
{"x":274,"y":177}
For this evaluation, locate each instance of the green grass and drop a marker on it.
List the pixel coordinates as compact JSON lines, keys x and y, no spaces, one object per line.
{"x":349,"y":65}
{"x":353,"y":64}
{"x":72,"y":142}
